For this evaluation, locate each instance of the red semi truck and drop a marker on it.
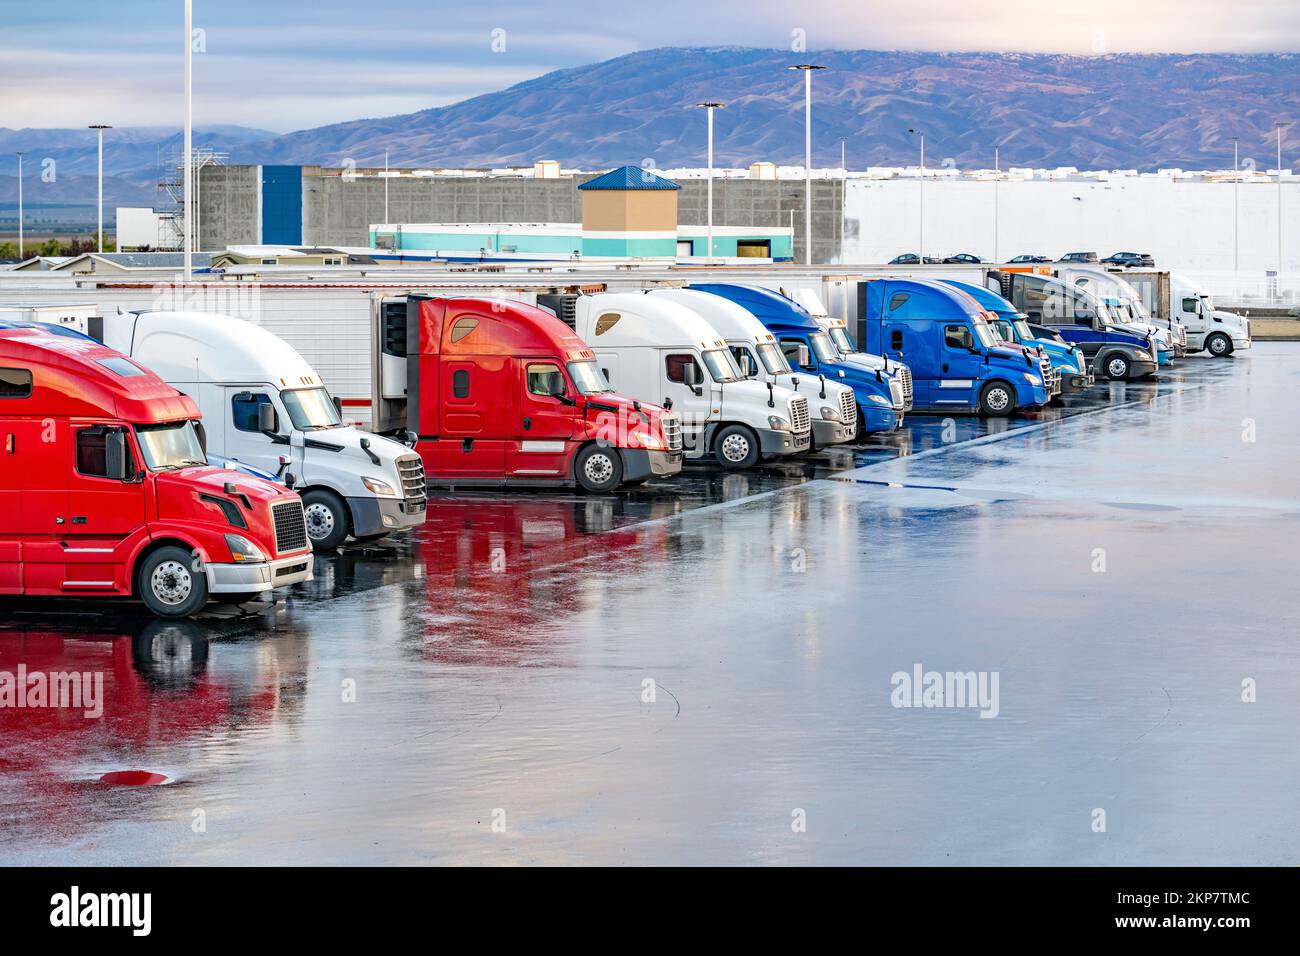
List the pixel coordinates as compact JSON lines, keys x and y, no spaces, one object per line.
{"x":104,"y":488}
{"x":498,"y":392}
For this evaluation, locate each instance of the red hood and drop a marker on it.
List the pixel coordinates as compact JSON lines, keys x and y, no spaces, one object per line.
{"x":207,"y":479}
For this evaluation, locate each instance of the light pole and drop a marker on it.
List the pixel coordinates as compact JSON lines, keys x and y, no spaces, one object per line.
{"x":1279,"y":209}
{"x":997,"y":176}
{"x":189,"y":140}
{"x":1236,"y":182}
{"x":100,"y":128}
{"x":710,"y":107}
{"x":920,"y":251}
{"x":385,"y":187}
{"x":844,"y":182}
{"x":807,"y":155}
{"x":20,"y":207}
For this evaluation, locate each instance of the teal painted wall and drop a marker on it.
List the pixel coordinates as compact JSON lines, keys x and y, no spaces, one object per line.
{"x":632,"y":246}
{"x":782,"y":246}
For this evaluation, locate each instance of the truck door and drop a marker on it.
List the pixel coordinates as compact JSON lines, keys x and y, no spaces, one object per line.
{"x":479,"y":415}
{"x":546,"y":420}
{"x":104,"y":512}
{"x":241,"y":438}
{"x":12,"y":471}
{"x":959,"y":368}
{"x":683,"y":381}
{"x":39,"y":481}
{"x":906,"y":343}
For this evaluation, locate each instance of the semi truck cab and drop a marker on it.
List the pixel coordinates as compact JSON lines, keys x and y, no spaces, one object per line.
{"x":661,"y":350}
{"x":1213,"y":330}
{"x":834,"y":408}
{"x":957,"y":360}
{"x":263,"y":405}
{"x":105,"y":491}
{"x":881,"y":396}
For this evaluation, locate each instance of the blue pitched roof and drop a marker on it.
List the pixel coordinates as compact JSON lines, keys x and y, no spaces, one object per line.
{"x":630,"y":177}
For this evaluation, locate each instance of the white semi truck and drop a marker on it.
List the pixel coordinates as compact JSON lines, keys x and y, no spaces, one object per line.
{"x":1173,"y":295}
{"x":264,"y":406}
{"x":660,"y":351}
{"x":834,"y":407}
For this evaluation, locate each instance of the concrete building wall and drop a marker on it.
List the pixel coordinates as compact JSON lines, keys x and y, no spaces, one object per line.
{"x":228,"y":210}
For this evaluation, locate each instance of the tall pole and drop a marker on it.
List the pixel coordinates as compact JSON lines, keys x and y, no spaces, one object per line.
{"x":1236,"y":182}
{"x":189,"y":139}
{"x":997,"y":177}
{"x":100,"y":129}
{"x":20,"y":207}
{"x":385,"y":187}
{"x":710,"y":107}
{"x":807,"y":156}
{"x":844,"y":182}
{"x":1279,"y":209}
{"x":920,"y":252}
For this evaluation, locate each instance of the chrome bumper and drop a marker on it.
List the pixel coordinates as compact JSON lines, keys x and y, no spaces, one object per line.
{"x":255,"y":578}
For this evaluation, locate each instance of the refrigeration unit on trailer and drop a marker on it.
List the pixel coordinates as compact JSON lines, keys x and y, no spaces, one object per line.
{"x":759,"y":355}
{"x":263,"y":405}
{"x":502,"y":393}
{"x":104,"y":490}
{"x":883,"y":396}
{"x":957,"y":360}
{"x":660,"y":350}
{"x":1080,"y":318}
{"x":1068,"y":361}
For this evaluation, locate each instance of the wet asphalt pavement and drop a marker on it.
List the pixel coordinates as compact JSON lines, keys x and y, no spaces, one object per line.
{"x":703,"y":671}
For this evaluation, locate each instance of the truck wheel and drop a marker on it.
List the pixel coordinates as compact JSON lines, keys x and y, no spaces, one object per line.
{"x":327,"y":519}
{"x":1117,"y":367}
{"x":737,"y":448}
{"x":598,"y":469}
{"x":169,"y":584}
{"x":1219,"y":345}
{"x":997,"y":399}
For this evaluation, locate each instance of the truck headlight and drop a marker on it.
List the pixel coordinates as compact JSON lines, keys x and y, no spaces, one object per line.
{"x":1142,"y":356}
{"x":243,"y":551}
{"x":1032,"y":379}
{"x":777,"y":423}
{"x":880,"y":400}
{"x":377,"y":487}
{"x":830,"y":414}
{"x":648,"y":441}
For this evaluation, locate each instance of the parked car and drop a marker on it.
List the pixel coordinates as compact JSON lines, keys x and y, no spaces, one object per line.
{"x":1078,"y":257}
{"x":1131,"y":260}
{"x":912,"y":259}
{"x":1029,"y":258}
{"x":963,"y":257}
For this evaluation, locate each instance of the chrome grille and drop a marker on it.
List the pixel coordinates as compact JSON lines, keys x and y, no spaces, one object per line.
{"x":904,"y":375}
{"x":672,"y":427}
{"x":1051,"y":375}
{"x":799,"y":413}
{"x":896,"y":394}
{"x":290,"y":526}
{"x":411,"y":470}
{"x":848,"y":406}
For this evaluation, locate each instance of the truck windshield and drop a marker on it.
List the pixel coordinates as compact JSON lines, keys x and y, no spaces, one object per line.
{"x":310,"y":409}
{"x":822,"y":347}
{"x":587,"y":378}
{"x":1003,"y":328}
{"x":984,"y":332}
{"x":170,"y":446}
{"x":840,"y":337}
{"x":722,"y":365}
{"x":773,"y":359}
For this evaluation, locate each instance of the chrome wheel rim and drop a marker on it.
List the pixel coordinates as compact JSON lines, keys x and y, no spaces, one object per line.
{"x":1117,"y":368}
{"x":598,"y":468}
{"x":1217,"y":345}
{"x":998,"y":399}
{"x":735,"y":448}
{"x":320,"y":521}
{"x":171,"y":583}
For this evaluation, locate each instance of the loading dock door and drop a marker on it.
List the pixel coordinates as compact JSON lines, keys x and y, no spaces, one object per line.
{"x":754,"y":248}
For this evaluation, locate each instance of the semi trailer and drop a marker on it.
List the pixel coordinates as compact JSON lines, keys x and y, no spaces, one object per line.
{"x":497,"y":392}
{"x":105,"y":491}
{"x":264,"y":406}
{"x":759,"y":355}
{"x":883,"y":396}
{"x":958,"y":362}
{"x":660,"y":350}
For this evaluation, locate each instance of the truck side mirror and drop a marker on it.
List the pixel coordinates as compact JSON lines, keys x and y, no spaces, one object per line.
{"x":338,"y":405}
{"x":115,"y":461}
{"x":202,"y":434}
{"x":267,"y":419}
{"x":805,"y":357}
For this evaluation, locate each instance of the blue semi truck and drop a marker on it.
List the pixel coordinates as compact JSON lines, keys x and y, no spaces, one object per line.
{"x":958,"y":362}
{"x":1013,"y":326}
{"x":882,"y":401}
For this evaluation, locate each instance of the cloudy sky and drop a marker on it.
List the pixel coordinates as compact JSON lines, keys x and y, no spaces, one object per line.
{"x":295,"y":64}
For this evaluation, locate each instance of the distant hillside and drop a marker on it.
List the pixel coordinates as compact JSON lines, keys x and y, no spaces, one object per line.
{"x":1112,"y":112}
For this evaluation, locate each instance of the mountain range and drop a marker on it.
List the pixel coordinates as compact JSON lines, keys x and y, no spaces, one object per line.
{"x":1117,"y":111}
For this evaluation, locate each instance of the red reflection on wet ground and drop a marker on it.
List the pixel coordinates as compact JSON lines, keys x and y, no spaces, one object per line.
{"x":133,"y":778}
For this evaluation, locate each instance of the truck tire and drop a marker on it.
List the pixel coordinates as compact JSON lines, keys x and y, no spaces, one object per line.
{"x":1116,"y":366}
{"x":598,"y":469}
{"x":736,"y":448}
{"x":997,"y":399}
{"x":327,"y":519}
{"x":1218,"y":345}
{"x":169,"y":584}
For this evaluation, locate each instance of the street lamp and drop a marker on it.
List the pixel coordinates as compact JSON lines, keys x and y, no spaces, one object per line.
{"x":20,"y":207}
{"x":1236,"y":182}
{"x":100,"y":128}
{"x":844,"y":182}
{"x":920,"y":251}
{"x":1279,"y":208}
{"x":807,"y":155}
{"x":710,"y":107}
{"x":997,"y":176}
{"x":189,"y":140}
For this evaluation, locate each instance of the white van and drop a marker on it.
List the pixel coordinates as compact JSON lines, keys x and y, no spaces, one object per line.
{"x":264,"y":406}
{"x":660,"y":351}
{"x":835,"y":409}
